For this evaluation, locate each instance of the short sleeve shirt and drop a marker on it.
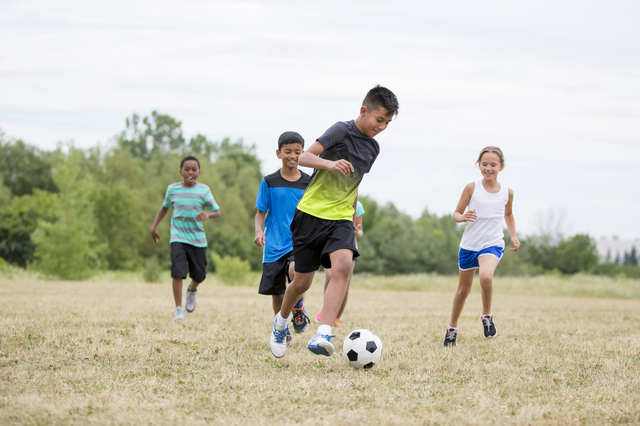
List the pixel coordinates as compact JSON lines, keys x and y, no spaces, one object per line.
{"x":330,"y":194}
{"x":278,"y":198}
{"x":187,"y":202}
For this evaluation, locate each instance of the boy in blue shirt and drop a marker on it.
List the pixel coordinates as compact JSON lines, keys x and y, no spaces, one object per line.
{"x":188,"y":240}
{"x":276,"y":202}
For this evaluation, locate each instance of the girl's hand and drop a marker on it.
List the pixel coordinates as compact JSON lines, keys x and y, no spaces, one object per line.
{"x":516,"y":244}
{"x":469,"y":216}
{"x":342,"y":166}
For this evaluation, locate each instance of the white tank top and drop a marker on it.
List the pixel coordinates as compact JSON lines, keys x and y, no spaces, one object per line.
{"x":487,"y":229}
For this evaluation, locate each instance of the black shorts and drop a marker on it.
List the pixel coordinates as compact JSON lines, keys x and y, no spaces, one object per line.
{"x":188,"y":259}
{"x":275,"y":276}
{"x":315,"y":238}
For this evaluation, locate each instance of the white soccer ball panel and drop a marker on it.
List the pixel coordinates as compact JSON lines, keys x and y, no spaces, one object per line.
{"x":362,"y":349}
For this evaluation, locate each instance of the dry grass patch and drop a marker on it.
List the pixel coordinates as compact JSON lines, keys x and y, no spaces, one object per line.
{"x":108,"y":353}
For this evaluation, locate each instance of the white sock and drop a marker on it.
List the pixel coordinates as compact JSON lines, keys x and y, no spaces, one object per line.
{"x":324,"y":329}
{"x":488,"y":315}
{"x":452,"y":328}
{"x":282,"y":322}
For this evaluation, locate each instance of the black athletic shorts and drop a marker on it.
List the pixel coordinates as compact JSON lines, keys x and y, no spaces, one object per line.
{"x":275,"y":276}
{"x":188,"y":259}
{"x":315,"y":238}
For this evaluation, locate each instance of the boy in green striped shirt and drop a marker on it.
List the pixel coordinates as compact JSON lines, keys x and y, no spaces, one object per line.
{"x":188,"y":240}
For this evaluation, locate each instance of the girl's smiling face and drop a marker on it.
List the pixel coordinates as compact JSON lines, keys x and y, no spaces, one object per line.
{"x":189,"y":172}
{"x":490,"y":165}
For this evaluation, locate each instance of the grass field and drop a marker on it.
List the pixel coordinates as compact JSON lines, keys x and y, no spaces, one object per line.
{"x":108,"y":353}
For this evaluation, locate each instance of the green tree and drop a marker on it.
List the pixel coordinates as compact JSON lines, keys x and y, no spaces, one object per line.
{"x":67,"y":246}
{"x":18,"y":219}
{"x":155,"y":135}
{"x":24,"y":168}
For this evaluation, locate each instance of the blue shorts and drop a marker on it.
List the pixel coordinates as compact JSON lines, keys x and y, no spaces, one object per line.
{"x":469,"y":259}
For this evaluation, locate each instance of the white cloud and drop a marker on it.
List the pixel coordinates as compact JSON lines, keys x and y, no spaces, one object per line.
{"x":555,"y":84}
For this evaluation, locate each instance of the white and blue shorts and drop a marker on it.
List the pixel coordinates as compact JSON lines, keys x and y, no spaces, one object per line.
{"x":469,"y":259}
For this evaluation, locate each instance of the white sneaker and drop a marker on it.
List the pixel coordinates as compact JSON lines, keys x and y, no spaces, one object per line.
{"x":178,"y":314}
{"x":278,"y":340}
{"x":320,"y":344}
{"x":190,"y":304}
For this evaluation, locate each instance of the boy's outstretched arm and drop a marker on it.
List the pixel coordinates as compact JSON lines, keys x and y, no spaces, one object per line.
{"x":161,"y":214}
{"x":208,"y":215}
{"x":310,"y":158}
{"x":259,"y":228}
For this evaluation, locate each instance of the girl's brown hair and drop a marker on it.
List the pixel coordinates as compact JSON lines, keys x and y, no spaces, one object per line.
{"x":493,"y":150}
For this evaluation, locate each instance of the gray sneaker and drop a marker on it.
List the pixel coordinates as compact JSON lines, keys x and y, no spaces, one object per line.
{"x":489,"y":326}
{"x":450,"y":337}
{"x":178,"y":314}
{"x":190,"y":304}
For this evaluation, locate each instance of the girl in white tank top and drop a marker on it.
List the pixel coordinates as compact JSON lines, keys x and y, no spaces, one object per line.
{"x":483,"y":205}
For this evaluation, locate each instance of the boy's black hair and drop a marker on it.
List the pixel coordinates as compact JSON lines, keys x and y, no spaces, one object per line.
{"x":288,"y":138}
{"x":380,"y":96}
{"x":189,"y":158}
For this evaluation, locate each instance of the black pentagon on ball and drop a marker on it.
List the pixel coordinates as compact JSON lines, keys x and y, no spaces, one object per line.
{"x":368,"y":366}
{"x":352,"y":355}
{"x":371,"y":346}
{"x":355,"y":335}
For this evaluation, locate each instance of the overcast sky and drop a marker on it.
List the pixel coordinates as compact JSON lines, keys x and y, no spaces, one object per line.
{"x":555,"y":84}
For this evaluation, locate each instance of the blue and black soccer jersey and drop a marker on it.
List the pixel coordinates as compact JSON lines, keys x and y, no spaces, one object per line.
{"x":278,"y":198}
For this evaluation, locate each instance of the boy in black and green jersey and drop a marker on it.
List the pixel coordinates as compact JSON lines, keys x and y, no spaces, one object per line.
{"x":322,"y":227}
{"x":188,"y":240}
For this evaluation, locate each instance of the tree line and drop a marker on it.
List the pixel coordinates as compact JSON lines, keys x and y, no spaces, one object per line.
{"x":71,"y":212}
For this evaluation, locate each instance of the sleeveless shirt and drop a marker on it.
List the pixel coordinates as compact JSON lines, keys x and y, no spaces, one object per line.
{"x":487,"y":229}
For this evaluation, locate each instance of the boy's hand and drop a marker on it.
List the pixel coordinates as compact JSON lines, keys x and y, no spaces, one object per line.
{"x":203,"y":216}
{"x":342,"y":166}
{"x":516,"y":244}
{"x":155,"y":236}
{"x":259,"y":239}
{"x":358,"y":231}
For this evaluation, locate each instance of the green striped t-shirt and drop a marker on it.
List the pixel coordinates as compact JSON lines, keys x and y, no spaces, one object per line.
{"x":187,"y":202}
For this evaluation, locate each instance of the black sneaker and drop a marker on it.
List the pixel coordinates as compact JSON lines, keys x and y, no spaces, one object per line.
{"x":490,"y":329}
{"x":450,"y":337}
{"x":300,"y":320}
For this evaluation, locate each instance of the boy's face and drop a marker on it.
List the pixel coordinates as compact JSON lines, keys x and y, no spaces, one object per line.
{"x":374,"y":121}
{"x":189,"y":172}
{"x":289,"y":154}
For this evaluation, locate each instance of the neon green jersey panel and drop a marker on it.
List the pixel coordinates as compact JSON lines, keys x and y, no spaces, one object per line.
{"x":331,"y":195}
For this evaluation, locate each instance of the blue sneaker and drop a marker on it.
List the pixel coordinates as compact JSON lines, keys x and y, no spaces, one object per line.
{"x":320,"y":344}
{"x":278,"y":340}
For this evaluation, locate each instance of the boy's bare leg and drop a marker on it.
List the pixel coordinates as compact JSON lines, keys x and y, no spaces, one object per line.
{"x":346,"y":293}
{"x":464,"y":287}
{"x":341,"y":262}
{"x":193,"y":286}
{"x":295,"y":290}
{"x":276,"y":301}
{"x":177,"y":291}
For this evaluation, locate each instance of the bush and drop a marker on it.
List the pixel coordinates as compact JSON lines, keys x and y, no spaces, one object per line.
{"x":152,"y":270}
{"x":231,"y":270}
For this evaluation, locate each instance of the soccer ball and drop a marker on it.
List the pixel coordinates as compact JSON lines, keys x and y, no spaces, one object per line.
{"x":362,"y":349}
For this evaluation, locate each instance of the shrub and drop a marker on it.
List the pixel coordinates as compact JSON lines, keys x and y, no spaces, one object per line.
{"x":231,"y":270}
{"x":152,"y":270}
